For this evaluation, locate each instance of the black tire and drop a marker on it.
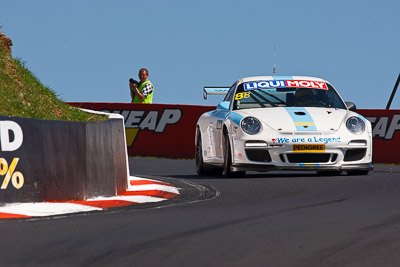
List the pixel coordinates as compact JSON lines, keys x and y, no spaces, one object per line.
{"x":358,"y":172}
{"x":201,"y":167}
{"x":228,"y":161}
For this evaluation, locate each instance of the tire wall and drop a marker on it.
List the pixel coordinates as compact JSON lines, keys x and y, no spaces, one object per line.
{"x":61,"y":161}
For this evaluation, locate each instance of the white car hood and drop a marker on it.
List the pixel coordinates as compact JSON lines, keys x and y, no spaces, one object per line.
{"x":298,"y":119}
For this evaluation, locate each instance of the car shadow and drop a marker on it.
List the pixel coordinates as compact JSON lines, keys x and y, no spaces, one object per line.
{"x":255,"y":175}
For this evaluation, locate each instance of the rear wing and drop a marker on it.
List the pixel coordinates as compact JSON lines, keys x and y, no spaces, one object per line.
{"x":214,"y":90}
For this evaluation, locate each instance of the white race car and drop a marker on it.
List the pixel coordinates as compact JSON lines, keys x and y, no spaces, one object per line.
{"x":282,"y":123}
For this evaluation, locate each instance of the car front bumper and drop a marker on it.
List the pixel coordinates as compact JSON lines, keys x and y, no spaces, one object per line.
{"x":270,"y":167}
{"x":340,"y":152}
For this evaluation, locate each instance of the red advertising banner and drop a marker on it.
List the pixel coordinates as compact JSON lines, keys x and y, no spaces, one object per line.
{"x":156,"y":130}
{"x":385,"y":133}
{"x":161,"y":130}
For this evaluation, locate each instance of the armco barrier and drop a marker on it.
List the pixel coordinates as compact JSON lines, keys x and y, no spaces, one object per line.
{"x":161,"y":130}
{"x":57,"y":161}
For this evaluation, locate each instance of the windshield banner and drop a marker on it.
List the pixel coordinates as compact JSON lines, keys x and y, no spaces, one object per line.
{"x":284,"y":83}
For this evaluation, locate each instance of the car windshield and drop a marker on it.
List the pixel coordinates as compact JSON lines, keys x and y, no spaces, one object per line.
{"x":252,"y":95}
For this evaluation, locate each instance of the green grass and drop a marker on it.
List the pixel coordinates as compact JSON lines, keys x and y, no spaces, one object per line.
{"x":23,"y":95}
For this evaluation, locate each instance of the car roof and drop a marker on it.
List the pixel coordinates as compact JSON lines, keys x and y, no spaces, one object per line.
{"x":272,"y":78}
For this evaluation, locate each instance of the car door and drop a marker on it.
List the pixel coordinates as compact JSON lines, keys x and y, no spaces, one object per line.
{"x":218,"y":122}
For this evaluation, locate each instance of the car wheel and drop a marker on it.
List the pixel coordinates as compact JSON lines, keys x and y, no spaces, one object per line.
{"x":228,"y":161}
{"x":358,"y":172}
{"x":201,"y":167}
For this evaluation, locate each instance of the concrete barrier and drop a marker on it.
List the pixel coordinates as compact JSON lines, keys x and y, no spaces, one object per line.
{"x":44,"y":160}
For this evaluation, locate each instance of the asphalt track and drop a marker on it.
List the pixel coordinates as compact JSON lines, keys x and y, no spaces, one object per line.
{"x":269,"y":219}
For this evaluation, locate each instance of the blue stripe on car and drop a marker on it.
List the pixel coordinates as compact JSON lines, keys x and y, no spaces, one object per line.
{"x":283,"y":77}
{"x":236,"y":118}
{"x":302,"y":122}
{"x":218,"y":113}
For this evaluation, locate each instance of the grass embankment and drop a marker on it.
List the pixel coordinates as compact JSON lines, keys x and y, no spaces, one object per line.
{"x":23,"y":95}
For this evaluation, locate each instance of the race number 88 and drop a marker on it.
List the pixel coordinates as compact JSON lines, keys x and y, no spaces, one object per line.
{"x":239,"y":96}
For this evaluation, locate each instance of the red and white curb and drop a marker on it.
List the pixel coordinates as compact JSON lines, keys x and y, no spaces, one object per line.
{"x":140,"y":190}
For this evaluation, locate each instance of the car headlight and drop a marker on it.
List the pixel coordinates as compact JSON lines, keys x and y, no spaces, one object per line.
{"x":251,"y":125}
{"x":355,"y":125}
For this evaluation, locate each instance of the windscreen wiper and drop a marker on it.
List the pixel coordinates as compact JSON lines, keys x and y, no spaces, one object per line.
{"x":277,"y":98}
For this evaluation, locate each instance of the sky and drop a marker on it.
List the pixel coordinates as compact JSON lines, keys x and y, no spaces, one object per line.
{"x":86,"y":50}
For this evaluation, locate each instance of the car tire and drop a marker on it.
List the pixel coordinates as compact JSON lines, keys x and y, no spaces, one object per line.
{"x":358,"y":172}
{"x":201,"y":167}
{"x":228,"y":161}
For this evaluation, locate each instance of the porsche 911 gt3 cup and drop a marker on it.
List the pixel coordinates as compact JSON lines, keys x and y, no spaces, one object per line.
{"x":282,"y":123}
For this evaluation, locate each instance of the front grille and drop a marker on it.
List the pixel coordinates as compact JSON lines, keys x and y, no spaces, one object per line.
{"x":355,"y":154}
{"x":258,"y":155}
{"x":308,"y":157}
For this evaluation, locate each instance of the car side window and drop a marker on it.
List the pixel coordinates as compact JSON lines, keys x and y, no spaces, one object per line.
{"x":231,"y":90}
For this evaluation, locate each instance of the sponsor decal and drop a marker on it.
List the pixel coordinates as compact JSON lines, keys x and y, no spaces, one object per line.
{"x":309,"y":148}
{"x":327,"y":140}
{"x":284,"y":83}
{"x":236,"y":143}
{"x":239,"y":96}
{"x":307,"y":84}
{"x":219,"y":124}
{"x":308,"y":164}
{"x":313,"y":139}
{"x":382,"y":128}
{"x":151,"y":120}
{"x":11,"y":139}
{"x":238,"y":156}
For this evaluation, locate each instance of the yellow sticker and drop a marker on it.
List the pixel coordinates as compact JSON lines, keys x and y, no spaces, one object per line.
{"x":239,"y":96}
{"x":309,"y":148}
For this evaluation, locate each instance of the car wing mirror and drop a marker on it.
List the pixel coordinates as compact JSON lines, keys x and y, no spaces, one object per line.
{"x":351,"y":106}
